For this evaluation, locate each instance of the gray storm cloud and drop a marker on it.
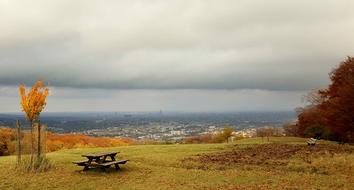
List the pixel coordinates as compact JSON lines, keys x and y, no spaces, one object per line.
{"x":136,"y":44}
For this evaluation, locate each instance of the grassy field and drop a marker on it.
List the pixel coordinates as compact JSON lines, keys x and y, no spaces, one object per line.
{"x":168,"y":167}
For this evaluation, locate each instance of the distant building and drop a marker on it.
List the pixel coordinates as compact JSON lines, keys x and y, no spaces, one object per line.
{"x":245,"y":133}
{"x":176,"y":133}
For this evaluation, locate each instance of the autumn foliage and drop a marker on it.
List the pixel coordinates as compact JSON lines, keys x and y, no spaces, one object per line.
{"x":68,"y":141}
{"x":7,"y":141}
{"x":207,"y":138}
{"x":219,"y":137}
{"x":33,"y":102}
{"x":56,"y":141}
{"x":331,"y":112}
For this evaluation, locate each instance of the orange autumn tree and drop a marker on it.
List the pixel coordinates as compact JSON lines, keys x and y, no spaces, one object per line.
{"x":32,"y":104}
{"x":330,"y":114}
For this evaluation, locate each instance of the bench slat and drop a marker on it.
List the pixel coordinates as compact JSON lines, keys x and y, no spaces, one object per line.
{"x":114,"y":162}
{"x":80,"y":162}
{"x":97,"y":155}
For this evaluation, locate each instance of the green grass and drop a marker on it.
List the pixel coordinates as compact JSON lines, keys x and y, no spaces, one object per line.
{"x":160,"y":167}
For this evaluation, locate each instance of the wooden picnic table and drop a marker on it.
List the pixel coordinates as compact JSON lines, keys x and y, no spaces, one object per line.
{"x":99,"y":160}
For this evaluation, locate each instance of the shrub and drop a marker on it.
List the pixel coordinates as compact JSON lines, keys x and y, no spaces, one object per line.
{"x":199,"y":139}
{"x":39,"y":164}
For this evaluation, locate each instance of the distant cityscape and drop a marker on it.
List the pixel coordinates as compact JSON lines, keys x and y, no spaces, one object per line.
{"x":158,"y":126}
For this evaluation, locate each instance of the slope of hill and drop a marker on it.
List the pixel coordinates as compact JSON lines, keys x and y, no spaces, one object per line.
{"x":328,"y":166}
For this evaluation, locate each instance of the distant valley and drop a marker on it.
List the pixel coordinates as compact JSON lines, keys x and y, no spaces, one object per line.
{"x":151,"y":125}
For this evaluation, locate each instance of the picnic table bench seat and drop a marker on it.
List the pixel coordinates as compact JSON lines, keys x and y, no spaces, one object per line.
{"x":81,"y":163}
{"x":114,"y":162}
{"x":311,"y":142}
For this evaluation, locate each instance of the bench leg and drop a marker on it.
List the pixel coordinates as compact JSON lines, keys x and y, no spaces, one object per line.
{"x":117,"y":167}
{"x":103,"y":169}
{"x":87,"y":164}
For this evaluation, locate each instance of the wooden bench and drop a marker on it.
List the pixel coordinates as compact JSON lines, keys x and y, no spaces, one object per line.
{"x":311,"y":142}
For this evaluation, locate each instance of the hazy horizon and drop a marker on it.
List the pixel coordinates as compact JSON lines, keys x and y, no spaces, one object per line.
{"x":156,"y":112}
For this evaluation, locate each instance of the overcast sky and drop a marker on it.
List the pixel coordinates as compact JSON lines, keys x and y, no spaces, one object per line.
{"x":175,"y":55}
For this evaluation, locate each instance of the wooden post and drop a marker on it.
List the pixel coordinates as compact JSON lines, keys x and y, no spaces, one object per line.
{"x":44,"y":137}
{"x":39,"y":139}
{"x":32,"y":142}
{"x":18,"y":141}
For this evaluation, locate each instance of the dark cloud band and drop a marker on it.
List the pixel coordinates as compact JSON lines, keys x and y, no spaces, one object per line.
{"x":276,"y":45}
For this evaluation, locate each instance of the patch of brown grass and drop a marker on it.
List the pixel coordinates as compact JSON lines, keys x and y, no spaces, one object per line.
{"x":270,"y":154}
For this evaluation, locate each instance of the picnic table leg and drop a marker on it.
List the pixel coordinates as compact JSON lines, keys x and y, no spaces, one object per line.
{"x":87,"y":164}
{"x":97,"y":160}
{"x":104,"y":161}
{"x":116,"y":165}
{"x":112,"y":157}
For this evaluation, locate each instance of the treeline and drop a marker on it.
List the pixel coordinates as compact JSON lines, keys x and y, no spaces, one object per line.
{"x":220,"y":137}
{"x":229,"y":134}
{"x":55,"y":141}
{"x":269,"y":132}
{"x":330,"y":114}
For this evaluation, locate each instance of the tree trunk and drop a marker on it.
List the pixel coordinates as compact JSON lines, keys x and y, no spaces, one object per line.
{"x":18,"y":142}
{"x":32,"y":142}
{"x":39,"y":139}
{"x":44,"y":139}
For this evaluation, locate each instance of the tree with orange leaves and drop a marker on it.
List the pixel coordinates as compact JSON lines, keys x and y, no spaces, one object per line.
{"x":32,"y":104}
